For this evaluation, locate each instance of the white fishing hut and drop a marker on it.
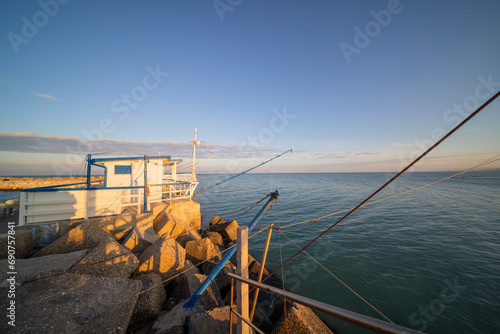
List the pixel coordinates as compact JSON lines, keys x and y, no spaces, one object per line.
{"x":128,"y":182}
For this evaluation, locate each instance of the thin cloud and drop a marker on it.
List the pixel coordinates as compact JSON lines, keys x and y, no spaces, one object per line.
{"x":13,"y":85}
{"x":30,"y":142}
{"x":46,"y":96}
{"x":402,"y":144}
{"x":345,"y":155}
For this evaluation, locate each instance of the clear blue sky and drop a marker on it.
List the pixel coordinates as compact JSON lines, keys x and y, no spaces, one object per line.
{"x":355,"y":101}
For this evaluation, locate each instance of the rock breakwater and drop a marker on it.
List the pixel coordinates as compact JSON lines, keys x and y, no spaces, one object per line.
{"x":93,"y":278}
{"x":8,"y":183}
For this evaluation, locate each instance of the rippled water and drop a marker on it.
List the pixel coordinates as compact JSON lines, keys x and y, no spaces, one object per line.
{"x":428,"y":260}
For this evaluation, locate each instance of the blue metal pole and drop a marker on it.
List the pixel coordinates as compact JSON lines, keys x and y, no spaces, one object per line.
{"x":89,"y":166}
{"x":105,"y":172}
{"x":194,"y":298}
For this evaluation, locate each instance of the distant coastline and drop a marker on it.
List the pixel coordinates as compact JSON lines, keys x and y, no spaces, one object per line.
{"x":8,"y":183}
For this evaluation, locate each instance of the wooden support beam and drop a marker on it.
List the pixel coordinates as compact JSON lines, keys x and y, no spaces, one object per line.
{"x":261,"y":271}
{"x":242,"y":288}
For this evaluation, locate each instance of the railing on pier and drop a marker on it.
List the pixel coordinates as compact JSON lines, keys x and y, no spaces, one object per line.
{"x":244,"y":317}
{"x":373,"y":324}
{"x":182,"y":177}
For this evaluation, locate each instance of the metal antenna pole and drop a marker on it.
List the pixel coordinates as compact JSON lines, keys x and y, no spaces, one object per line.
{"x":194,"y":155}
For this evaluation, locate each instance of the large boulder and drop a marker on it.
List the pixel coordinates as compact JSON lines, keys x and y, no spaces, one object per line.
{"x":171,"y":322}
{"x":120,"y":234}
{"x":215,"y":237}
{"x":191,"y":211}
{"x":45,"y":233}
{"x":261,"y":320}
{"x":226,"y":230}
{"x":215,"y":321}
{"x":189,"y":282}
{"x":229,"y":231}
{"x":150,"y":300}
{"x":254,"y":267}
{"x":222,"y":281}
{"x":41,"y":267}
{"x":138,"y":240}
{"x":109,"y":258}
{"x":200,"y":250}
{"x":186,"y":213}
{"x":85,"y":236}
{"x":217,"y":221}
{"x":190,"y":235}
{"x":130,"y":219}
{"x":73,"y":304}
{"x":271,"y":305}
{"x":62,"y":228}
{"x":24,"y":244}
{"x":163,"y":224}
{"x":300,"y":319}
{"x":165,"y":257}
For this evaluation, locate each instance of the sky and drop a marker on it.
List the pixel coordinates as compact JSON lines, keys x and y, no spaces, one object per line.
{"x":350,"y":86}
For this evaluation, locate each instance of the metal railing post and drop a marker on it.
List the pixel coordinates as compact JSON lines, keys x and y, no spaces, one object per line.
{"x":231,"y":307}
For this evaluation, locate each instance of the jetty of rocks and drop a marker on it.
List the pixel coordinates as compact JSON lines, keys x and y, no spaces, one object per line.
{"x":131,"y":274}
{"x":8,"y":183}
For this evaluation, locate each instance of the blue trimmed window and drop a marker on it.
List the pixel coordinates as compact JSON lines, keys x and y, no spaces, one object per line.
{"x":123,"y":169}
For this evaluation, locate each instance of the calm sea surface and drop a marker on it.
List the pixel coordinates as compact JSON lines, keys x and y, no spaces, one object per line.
{"x":428,"y":260}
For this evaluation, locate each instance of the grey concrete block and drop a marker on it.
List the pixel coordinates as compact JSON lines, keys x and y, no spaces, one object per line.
{"x":150,"y":300}
{"x":165,"y":257}
{"x":300,"y":319}
{"x":200,"y":250}
{"x":110,"y":259}
{"x":85,"y":236}
{"x":74,"y":304}
{"x":42,"y":267}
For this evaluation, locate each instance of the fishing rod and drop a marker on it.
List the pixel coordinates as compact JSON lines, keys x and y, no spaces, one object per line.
{"x":391,"y":180}
{"x":246,"y":171}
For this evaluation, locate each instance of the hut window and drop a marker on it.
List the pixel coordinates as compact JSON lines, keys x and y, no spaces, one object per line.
{"x":120,"y":169}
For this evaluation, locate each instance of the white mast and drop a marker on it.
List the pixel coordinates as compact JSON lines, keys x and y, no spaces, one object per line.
{"x":194,"y":156}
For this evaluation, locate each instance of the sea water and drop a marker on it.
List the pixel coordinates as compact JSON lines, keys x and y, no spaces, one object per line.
{"x":7,"y":195}
{"x":428,"y":260}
